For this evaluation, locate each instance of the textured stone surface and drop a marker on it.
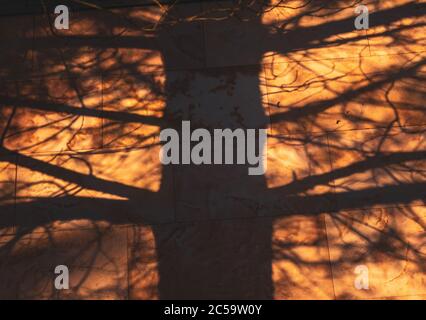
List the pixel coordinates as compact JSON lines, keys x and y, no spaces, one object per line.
{"x":131,"y":120}
{"x":386,"y":162}
{"x":345,"y":180}
{"x":107,"y":186}
{"x":210,"y":260}
{"x":7,"y":195}
{"x":389,"y":242}
{"x":54,"y":115}
{"x":301,"y":265}
{"x":96,"y":260}
{"x":16,"y":42}
{"x":345,"y":94}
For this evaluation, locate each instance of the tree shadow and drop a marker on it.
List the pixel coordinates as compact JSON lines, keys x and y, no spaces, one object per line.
{"x":79,"y":149}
